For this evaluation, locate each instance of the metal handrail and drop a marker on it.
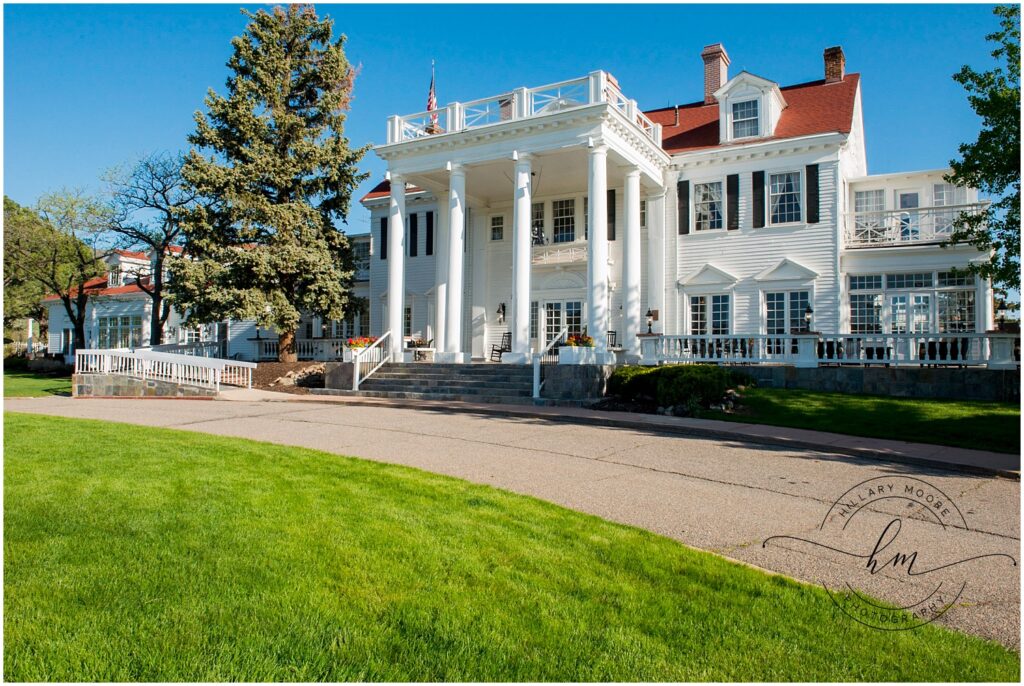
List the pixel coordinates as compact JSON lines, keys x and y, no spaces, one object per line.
{"x":537,"y":358}
{"x":357,"y":359}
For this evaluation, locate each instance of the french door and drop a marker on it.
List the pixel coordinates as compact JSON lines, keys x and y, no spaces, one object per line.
{"x":562,"y":314}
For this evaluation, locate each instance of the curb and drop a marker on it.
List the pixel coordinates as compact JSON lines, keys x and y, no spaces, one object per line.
{"x":676,"y":429}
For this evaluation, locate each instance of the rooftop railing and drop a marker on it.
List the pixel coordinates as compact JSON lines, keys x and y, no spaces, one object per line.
{"x":905,"y":227}
{"x":522,"y":103}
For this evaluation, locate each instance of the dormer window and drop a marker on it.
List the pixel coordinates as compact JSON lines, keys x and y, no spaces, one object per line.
{"x":114,"y":277}
{"x":745,"y":119}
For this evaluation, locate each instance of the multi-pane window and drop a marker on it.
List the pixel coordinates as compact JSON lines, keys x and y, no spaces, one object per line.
{"x":956,"y":311}
{"x":869,"y":201}
{"x":643,"y":214}
{"x":865,"y":313}
{"x":120,"y":332}
{"x":866,"y":283}
{"x":869,"y":220}
{"x":574,"y":316}
{"x":744,"y":119}
{"x":785,"y":311}
{"x":910,"y":313}
{"x":114,"y":277}
{"x":361,"y":255}
{"x":534,"y":314}
{"x":715,"y":321}
{"x":784,"y":190}
{"x":707,"y":206}
{"x":563,"y":217}
{"x":947,"y":195}
{"x":497,"y":228}
{"x":407,"y":321}
{"x":922,"y":280}
{"x":959,"y":278}
{"x":537,"y":223}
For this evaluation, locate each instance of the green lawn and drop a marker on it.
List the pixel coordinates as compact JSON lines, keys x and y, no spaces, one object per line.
{"x":19,"y":382}
{"x":967,"y":424}
{"x":133,"y":553}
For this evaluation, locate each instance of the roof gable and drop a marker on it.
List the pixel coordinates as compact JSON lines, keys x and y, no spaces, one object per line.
{"x":786,"y":270}
{"x":708,"y":275}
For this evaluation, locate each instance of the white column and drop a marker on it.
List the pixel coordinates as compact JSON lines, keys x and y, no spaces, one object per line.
{"x":456,"y":241}
{"x":597,"y":258}
{"x":521,"y":262}
{"x":29,"y":339}
{"x":396,"y":265}
{"x":631,"y":263}
{"x":440,"y":270}
{"x":655,"y":258}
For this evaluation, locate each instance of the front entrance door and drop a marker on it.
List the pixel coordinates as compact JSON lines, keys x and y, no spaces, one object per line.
{"x":562,"y":314}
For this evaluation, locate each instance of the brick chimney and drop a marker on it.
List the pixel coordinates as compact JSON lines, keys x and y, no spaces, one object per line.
{"x":835,"y":64}
{"x":716,"y":70}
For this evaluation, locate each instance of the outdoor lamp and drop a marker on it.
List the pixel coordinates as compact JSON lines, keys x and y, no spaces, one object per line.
{"x":501,"y":313}
{"x":1001,"y":312}
{"x":650,"y":320}
{"x":808,"y":313}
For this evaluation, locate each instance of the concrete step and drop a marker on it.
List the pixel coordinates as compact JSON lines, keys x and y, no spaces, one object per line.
{"x":449,"y":397}
{"x":403,"y":384}
{"x":452,"y":378}
{"x":450,"y":390}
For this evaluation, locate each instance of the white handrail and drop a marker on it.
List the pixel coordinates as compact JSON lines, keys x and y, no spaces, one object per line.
{"x":207,"y":372}
{"x":537,"y":358}
{"x":380,"y":349}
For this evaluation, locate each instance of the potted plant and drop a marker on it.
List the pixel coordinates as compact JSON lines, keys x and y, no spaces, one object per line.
{"x":357,"y":343}
{"x":579,"y":349}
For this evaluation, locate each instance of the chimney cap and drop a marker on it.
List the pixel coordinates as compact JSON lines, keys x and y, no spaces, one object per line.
{"x":713,"y":50}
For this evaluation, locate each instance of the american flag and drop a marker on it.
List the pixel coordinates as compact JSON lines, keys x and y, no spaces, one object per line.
{"x":432,"y":100}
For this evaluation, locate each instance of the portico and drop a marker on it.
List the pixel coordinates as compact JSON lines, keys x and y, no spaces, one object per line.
{"x":545,"y":163}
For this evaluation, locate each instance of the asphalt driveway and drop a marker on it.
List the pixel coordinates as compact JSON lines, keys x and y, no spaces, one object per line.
{"x":716,"y":495}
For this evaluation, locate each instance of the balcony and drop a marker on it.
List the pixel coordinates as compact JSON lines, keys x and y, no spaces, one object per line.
{"x":560,"y":253}
{"x":916,"y":226}
{"x":522,"y":103}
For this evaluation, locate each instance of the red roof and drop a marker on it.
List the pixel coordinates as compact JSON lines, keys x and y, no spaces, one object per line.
{"x":383,"y":190}
{"x":133,"y":254}
{"x":98,"y":286}
{"x":814,"y":107}
{"x":175,"y":249}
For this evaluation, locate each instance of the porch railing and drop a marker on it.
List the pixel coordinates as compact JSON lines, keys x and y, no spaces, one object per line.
{"x":996,"y":351}
{"x":559,"y":253}
{"x":540,"y":357}
{"x":175,"y":368}
{"x":521,"y":103}
{"x":365,"y":361}
{"x":315,"y":349}
{"x":195,"y":348}
{"x":906,"y":227}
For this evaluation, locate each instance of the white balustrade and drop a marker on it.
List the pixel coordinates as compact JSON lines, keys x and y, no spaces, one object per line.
{"x":173,"y":367}
{"x":365,"y":361}
{"x":907,"y":226}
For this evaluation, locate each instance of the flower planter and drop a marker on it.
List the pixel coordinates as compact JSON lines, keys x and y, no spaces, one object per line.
{"x":570,"y":354}
{"x":346,"y":354}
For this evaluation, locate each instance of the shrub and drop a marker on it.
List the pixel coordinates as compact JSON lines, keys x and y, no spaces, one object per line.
{"x":694,"y":385}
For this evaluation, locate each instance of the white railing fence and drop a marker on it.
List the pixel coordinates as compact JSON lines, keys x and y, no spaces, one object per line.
{"x":996,"y":351}
{"x":196,"y":348}
{"x":175,"y":368}
{"x":315,"y":349}
{"x":538,"y":358}
{"x":365,"y":361}
{"x":522,"y":103}
{"x":909,"y":226}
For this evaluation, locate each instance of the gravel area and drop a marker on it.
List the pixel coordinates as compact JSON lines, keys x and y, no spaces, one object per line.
{"x":271,"y":375}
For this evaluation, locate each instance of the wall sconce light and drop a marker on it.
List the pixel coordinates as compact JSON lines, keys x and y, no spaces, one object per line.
{"x":650,"y":320}
{"x":501,"y":313}
{"x":808,"y":314}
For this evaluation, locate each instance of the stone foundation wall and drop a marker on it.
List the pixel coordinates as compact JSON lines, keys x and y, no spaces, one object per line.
{"x":117,"y":386}
{"x":901,"y":382}
{"x":338,"y":375}
{"x":575,"y":381}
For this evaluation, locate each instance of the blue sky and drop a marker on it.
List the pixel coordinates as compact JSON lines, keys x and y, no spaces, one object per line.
{"x":89,"y":86}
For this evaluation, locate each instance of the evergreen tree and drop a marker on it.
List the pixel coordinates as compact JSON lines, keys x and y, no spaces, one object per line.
{"x":992,"y":163}
{"x":262,"y":243}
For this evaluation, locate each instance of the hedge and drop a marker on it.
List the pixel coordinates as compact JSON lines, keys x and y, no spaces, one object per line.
{"x":692,"y":385}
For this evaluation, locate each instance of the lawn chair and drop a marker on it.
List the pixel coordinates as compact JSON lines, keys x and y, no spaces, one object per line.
{"x":505,"y":347}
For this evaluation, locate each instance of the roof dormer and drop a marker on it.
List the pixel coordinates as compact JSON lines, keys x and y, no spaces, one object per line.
{"x":749,"y":108}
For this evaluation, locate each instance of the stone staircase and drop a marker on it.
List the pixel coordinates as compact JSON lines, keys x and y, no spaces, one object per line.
{"x":477,"y":383}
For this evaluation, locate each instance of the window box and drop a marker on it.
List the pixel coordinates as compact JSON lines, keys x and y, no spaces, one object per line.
{"x":569,"y":354}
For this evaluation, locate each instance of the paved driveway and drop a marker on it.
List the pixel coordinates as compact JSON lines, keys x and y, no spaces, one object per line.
{"x":715,"y":495}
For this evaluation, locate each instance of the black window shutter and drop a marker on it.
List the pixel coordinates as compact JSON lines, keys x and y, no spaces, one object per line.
{"x":611,"y":214}
{"x":430,"y":233}
{"x":383,"y":238}
{"x":414,"y":235}
{"x":757,"y":183}
{"x":732,"y":198}
{"x":683,"y":203}
{"x":812,"y":194}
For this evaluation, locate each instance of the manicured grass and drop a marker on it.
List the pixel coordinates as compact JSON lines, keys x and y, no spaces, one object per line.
{"x":967,"y":424}
{"x":147,"y":554}
{"x":19,"y":382}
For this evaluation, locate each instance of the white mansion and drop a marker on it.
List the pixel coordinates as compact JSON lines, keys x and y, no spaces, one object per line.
{"x":566,"y":208}
{"x":748,"y":212}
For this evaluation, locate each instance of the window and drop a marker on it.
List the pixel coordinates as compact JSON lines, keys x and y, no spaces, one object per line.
{"x":414,"y":235}
{"x":956,"y":279}
{"x":407,"y":323}
{"x":122,"y":332}
{"x":719,"y":315}
{"x":744,"y":119}
{"x":534,"y":313}
{"x":574,"y":316}
{"x":923,"y":280}
{"x":643,"y":214}
{"x":866,"y":283}
{"x":361,"y":255}
{"x":920,"y":313}
{"x":869,"y":201}
{"x":785,"y":311}
{"x":497,"y":228}
{"x":537,"y":223}
{"x":114,"y":277}
{"x":956,"y":311}
{"x":707,"y":206}
{"x":866,"y":313}
{"x":946,"y":195}
{"x":563,"y":213}
{"x":784,"y":190}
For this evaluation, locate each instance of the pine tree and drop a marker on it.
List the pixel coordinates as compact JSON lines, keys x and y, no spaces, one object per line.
{"x":262,"y":244}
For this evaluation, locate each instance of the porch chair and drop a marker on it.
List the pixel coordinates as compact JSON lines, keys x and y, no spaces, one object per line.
{"x":505,"y":347}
